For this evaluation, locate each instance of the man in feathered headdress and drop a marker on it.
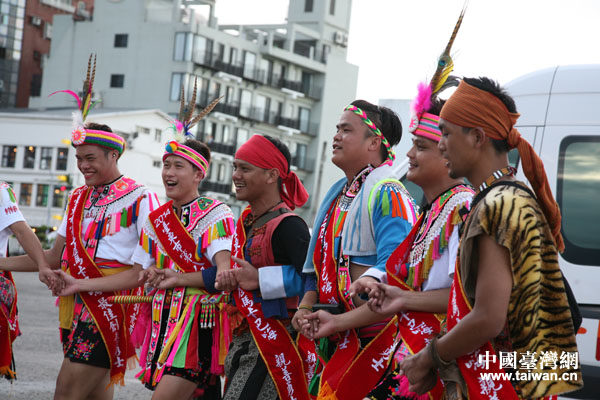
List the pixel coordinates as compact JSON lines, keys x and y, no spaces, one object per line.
{"x":508,"y":313}
{"x":99,"y":236}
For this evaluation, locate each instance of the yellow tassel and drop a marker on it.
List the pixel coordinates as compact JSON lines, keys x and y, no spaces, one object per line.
{"x":66,"y":307}
{"x":326,"y":393}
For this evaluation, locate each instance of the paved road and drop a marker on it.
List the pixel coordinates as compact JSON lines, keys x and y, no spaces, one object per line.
{"x":38,"y":352}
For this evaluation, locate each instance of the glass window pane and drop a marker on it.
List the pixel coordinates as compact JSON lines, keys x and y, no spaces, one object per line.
{"x":29,"y":158}
{"x":578,"y":191}
{"x":41,"y":198}
{"x":61,"y":158}
{"x":25,"y":195}
{"x":175,"y":87}
{"x":9,"y":156}
{"x":46,"y":158}
{"x":179,"y":47}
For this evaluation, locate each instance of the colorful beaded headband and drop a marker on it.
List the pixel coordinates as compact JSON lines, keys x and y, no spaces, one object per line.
{"x":427,"y":125}
{"x":374,"y":129}
{"x":175,"y":148}
{"x":80,"y":135}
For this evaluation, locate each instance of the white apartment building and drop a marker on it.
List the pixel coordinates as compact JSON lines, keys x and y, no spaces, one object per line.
{"x":38,"y":161}
{"x":290,"y":81}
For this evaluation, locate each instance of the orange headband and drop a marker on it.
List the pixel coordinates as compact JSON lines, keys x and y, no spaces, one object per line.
{"x":472,"y":107}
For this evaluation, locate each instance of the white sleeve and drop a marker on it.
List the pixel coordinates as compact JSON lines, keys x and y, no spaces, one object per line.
{"x":216,"y":246}
{"x":9,"y":210}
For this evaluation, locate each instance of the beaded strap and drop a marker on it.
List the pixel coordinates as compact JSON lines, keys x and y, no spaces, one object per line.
{"x":374,"y":129}
{"x":506,"y":171}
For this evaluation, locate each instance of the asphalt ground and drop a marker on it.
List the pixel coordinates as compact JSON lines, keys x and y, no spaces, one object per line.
{"x":38,"y":353}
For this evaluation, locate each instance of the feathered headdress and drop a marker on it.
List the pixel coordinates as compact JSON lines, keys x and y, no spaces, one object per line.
{"x":422,"y":123}
{"x":181,"y":130}
{"x":80,"y":135}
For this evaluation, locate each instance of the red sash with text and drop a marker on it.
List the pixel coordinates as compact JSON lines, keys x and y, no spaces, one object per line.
{"x":175,"y":239}
{"x":416,"y":328}
{"x":111,"y":319}
{"x":470,"y":365}
{"x":349,"y":364}
{"x":274,"y":343}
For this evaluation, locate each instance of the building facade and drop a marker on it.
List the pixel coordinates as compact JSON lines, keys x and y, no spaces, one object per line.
{"x":290,"y":81}
{"x":38,"y":161}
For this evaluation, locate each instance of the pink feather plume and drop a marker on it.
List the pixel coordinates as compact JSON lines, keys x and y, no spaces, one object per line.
{"x":422,"y":102}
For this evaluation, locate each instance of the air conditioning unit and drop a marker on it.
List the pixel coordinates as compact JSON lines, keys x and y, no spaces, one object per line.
{"x":338,"y":38}
{"x":36,"y":21}
{"x":47,"y":31}
{"x":345,"y":40}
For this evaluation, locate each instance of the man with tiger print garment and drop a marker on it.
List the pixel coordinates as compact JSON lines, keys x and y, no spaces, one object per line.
{"x":508,"y":308}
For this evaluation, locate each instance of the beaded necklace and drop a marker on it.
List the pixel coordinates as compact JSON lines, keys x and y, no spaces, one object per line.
{"x":506,"y":171}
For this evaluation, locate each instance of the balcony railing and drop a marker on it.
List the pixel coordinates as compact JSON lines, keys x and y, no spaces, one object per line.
{"x":215,"y":187}
{"x":222,"y":148}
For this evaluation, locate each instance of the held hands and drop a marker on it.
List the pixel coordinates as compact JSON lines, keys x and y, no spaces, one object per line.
{"x":420,"y":371}
{"x":48,"y":278}
{"x":69,"y":284}
{"x":226,"y":281}
{"x":386,"y":299}
{"x":364,"y":284}
{"x":319,"y":325}
{"x":246,"y":276}
{"x":299,"y":318}
{"x":162,"y":278}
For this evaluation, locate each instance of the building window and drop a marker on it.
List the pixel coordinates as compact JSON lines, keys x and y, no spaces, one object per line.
{"x":61,"y":158}
{"x":249,"y":64}
{"x":121,"y":40}
{"x":46,"y":158}
{"x":332,"y":7}
{"x":304,"y":117}
{"x":9,"y":156}
{"x":308,"y":5}
{"x":245,"y":102}
{"x":117,"y":80}
{"x":156,"y":164}
{"x":41,"y":198}
{"x":25,"y":195}
{"x":183,"y":46}
{"x":202,"y":50}
{"x":577,"y":194}
{"x":29,"y":159}
{"x":301,"y":156}
{"x":221,"y":173}
{"x":58,"y":199}
{"x":35,"y":88}
{"x":178,"y":80}
{"x":157,"y":135}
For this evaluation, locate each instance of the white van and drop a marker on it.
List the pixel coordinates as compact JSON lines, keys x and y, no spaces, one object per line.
{"x":560,"y":117}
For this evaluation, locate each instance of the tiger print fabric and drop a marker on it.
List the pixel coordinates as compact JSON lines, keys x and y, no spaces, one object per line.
{"x":539,"y":318}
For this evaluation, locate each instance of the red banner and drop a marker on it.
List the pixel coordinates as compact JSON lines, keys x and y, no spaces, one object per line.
{"x":111,"y":319}
{"x":275,"y":344}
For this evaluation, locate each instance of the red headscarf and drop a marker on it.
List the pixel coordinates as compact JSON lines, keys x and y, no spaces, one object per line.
{"x":472,"y":107}
{"x":259,"y":151}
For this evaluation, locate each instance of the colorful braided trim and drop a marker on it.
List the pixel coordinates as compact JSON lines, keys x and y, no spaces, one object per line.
{"x":374,"y":129}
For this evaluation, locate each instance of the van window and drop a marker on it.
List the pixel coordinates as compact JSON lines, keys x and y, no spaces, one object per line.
{"x":578,"y":191}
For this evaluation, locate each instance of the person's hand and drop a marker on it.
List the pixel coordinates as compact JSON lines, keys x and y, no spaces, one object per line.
{"x":299,"y":317}
{"x":420,"y":371}
{"x":168,"y":279}
{"x":386,"y":299}
{"x":246,"y":276}
{"x":49,"y":278}
{"x":319,"y":325}
{"x":70,"y":285}
{"x":143,"y":276}
{"x":364,"y":284}
{"x":226,"y":281}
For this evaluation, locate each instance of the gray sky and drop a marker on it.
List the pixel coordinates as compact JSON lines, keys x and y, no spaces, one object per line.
{"x":396,"y":42}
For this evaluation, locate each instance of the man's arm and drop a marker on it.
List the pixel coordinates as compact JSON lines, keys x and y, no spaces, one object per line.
{"x":26,"y":264}
{"x":123,"y":280}
{"x":485,"y":321}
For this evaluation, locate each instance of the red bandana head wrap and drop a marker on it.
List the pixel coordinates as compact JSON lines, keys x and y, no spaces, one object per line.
{"x":472,"y":107}
{"x":259,"y":151}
